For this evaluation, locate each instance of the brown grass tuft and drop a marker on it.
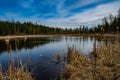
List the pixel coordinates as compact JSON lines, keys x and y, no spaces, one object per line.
{"x":103,"y":63}
{"x":13,"y":73}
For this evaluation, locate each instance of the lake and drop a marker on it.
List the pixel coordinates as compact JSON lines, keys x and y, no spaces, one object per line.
{"x":39,"y":53}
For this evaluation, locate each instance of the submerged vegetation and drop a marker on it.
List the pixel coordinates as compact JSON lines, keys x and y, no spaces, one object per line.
{"x":102,"y":64}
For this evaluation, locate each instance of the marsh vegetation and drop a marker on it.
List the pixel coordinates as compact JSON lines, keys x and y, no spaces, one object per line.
{"x":73,"y":57}
{"x":15,"y":73}
{"x":102,"y":64}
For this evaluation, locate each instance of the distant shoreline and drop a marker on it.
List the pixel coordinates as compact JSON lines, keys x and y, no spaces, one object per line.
{"x":22,"y":36}
{"x":48,"y":35}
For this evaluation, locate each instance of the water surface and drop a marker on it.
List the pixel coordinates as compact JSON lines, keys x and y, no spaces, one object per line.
{"x":39,"y":53}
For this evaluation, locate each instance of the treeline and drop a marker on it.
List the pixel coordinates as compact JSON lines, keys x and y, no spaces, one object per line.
{"x":17,"y":28}
{"x":22,"y":43}
{"x":109,"y":24}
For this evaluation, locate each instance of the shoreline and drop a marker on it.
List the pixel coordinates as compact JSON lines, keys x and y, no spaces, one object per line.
{"x":48,"y":35}
{"x":22,"y":36}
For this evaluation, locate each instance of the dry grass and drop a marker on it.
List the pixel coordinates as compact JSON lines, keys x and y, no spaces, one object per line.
{"x":103,"y":63}
{"x":57,"y":56}
{"x":13,"y":73}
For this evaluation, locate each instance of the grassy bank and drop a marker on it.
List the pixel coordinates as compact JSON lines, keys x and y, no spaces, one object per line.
{"x":102,"y":64}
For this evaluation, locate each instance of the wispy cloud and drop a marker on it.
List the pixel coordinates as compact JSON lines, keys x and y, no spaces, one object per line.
{"x":82,"y":3}
{"x":25,"y":3}
{"x":60,"y":13}
{"x":94,"y":15}
{"x":89,"y":17}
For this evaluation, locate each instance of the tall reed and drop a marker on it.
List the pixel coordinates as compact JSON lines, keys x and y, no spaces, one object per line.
{"x":15,"y":73}
{"x":102,"y":64}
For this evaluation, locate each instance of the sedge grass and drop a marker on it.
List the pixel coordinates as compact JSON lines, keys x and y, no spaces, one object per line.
{"x":102,"y":64}
{"x":13,"y":73}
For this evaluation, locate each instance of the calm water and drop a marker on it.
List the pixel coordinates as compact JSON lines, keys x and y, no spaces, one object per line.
{"x":39,"y":53}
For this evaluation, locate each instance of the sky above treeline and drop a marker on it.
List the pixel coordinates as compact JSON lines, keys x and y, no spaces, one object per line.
{"x":58,"y":13}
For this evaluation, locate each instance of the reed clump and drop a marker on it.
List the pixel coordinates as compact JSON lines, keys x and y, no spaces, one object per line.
{"x":14,"y":73}
{"x":102,"y":64}
{"x":57,"y":56}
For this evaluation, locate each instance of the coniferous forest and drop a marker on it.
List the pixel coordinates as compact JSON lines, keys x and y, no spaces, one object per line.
{"x":110,"y":24}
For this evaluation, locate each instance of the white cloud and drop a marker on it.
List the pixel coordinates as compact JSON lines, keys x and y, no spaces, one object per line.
{"x":82,"y":3}
{"x":93,"y":15}
{"x":89,"y":17}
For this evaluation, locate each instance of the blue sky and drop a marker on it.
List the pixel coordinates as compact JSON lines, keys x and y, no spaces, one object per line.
{"x":58,"y":13}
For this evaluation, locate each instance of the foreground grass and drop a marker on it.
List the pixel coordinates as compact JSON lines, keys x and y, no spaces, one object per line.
{"x":102,"y":64}
{"x":13,"y":73}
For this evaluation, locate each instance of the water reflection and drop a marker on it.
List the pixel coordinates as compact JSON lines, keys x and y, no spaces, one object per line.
{"x":39,"y":53}
{"x":22,"y":43}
